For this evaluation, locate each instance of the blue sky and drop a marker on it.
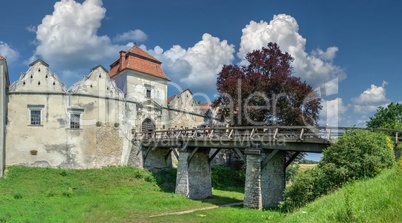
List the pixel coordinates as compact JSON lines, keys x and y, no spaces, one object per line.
{"x":350,"y":50}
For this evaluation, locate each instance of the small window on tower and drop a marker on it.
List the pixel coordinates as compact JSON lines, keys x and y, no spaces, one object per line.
{"x":148,"y":95}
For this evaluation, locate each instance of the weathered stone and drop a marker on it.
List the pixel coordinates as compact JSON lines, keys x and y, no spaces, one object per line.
{"x":264,"y":184}
{"x":157,"y":159}
{"x":194,"y":177}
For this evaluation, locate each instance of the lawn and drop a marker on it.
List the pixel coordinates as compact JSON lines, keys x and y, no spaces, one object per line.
{"x":128,"y":194}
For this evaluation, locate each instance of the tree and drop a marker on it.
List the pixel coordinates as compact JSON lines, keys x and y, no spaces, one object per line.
{"x":356,"y":155}
{"x":264,"y":92}
{"x":389,"y":117}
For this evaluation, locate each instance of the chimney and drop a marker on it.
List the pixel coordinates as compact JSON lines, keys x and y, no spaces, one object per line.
{"x":122,"y":60}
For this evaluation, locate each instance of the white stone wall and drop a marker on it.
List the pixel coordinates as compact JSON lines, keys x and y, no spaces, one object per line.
{"x":137,"y":84}
{"x":103,"y":137}
{"x":184,"y":111}
{"x":110,"y":112}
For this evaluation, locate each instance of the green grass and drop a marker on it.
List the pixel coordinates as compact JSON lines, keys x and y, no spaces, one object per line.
{"x":373,"y":200}
{"x":127,"y":194}
{"x":113,"y":194}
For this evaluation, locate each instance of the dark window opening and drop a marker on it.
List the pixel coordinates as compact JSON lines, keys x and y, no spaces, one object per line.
{"x":35,"y":117}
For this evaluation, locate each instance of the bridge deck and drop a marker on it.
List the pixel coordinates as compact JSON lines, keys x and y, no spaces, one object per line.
{"x":294,"y":138}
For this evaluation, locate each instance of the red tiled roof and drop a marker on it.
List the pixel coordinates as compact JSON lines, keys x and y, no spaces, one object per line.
{"x":138,"y":60}
{"x":2,"y":58}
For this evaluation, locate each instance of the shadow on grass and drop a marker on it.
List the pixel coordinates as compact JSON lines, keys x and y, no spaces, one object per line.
{"x":222,"y":200}
{"x":166,"y":180}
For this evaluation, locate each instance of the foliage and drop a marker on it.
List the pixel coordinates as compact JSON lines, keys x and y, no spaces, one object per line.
{"x":264,"y":91}
{"x":291,"y":171}
{"x":358,"y":154}
{"x":389,"y":117}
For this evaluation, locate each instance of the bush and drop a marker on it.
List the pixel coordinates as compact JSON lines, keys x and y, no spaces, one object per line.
{"x":356,"y":155}
{"x":360,"y":154}
{"x":291,"y":171}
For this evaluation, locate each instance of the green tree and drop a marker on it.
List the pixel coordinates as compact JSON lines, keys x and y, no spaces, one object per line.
{"x":358,"y":154}
{"x":389,"y":117}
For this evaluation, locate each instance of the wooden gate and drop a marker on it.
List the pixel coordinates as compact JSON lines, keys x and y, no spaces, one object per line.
{"x":148,"y":127}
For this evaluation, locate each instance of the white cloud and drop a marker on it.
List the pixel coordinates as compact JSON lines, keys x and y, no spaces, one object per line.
{"x":9,"y":53}
{"x":31,"y":29}
{"x":316,"y":68}
{"x":370,"y":99}
{"x":332,"y":111}
{"x":198,"y":66}
{"x":132,"y":35}
{"x":68,"y":38}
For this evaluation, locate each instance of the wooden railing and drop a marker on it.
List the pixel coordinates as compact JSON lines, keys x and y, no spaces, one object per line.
{"x":293,"y":133}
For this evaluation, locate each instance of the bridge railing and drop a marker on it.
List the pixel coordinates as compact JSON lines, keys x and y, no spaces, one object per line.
{"x":299,"y":133}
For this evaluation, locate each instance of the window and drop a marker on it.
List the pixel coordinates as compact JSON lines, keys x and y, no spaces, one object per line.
{"x":75,"y":118}
{"x":148,"y":90}
{"x":35,"y":115}
{"x":75,"y":121}
{"x":148,"y":93}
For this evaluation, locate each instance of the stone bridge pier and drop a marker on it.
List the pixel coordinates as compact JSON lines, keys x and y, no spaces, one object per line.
{"x":194,"y":173}
{"x":157,"y":158}
{"x":265,"y":178}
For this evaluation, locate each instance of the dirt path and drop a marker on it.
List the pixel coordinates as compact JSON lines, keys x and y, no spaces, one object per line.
{"x":198,"y":209}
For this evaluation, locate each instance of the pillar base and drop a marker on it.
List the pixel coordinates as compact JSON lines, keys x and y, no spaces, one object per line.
{"x":265,"y":179}
{"x":194,"y":174}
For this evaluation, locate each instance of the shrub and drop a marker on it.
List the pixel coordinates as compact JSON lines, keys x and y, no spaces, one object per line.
{"x":291,"y":171}
{"x":359,"y":153}
{"x":356,"y":155}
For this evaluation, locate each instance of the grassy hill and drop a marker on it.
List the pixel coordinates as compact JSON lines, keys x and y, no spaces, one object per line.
{"x":374,"y":200}
{"x":127,"y":194}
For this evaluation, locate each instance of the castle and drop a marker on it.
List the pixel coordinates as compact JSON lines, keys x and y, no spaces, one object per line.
{"x":92,"y":123}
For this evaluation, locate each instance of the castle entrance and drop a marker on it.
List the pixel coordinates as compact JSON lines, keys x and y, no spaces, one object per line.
{"x":148,"y":127}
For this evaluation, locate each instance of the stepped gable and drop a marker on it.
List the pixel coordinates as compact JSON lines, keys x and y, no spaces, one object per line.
{"x":137,"y":59}
{"x":38,"y":78}
{"x":97,"y":83}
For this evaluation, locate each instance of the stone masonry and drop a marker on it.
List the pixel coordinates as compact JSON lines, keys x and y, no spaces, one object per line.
{"x":194,"y":175}
{"x":264,"y":184}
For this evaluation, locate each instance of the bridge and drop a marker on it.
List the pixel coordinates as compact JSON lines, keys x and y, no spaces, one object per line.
{"x":262,"y":148}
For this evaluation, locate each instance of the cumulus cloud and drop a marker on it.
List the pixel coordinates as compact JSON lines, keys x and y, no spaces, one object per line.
{"x":67,"y":39}
{"x":332,"y":111}
{"x":132,"y":35}
{"x":9,"y":53}
{"x":198,"y":66}
{"x":371,"y":99}
{"x":316,"y":67}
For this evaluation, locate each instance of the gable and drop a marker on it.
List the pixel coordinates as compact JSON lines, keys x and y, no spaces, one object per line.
{"x":97,"y":83}
{"x":38,"y":78}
